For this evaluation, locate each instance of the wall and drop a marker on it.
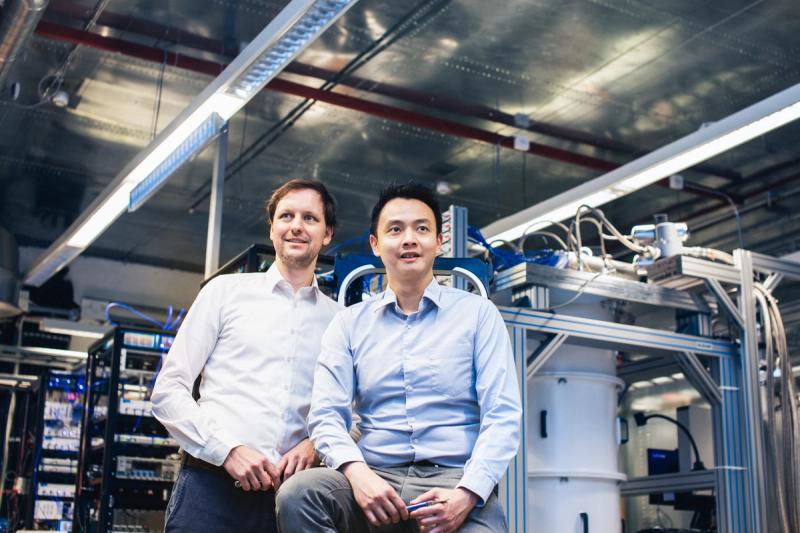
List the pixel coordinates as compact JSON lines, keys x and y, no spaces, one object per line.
{"x":132,"y":283}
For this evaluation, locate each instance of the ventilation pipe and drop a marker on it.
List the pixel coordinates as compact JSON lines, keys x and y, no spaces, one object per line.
{"x":9,"y":270}
{"x":19,"y":19}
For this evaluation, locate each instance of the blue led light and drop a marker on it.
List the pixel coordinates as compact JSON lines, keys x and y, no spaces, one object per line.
{"x":195,"y":142}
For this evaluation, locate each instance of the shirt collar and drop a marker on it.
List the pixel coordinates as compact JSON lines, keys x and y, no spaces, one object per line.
{"x":274,"y":279}
{"x":433,"y":292}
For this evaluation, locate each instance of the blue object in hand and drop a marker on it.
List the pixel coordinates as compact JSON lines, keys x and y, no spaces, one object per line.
{"x":420,"y":505}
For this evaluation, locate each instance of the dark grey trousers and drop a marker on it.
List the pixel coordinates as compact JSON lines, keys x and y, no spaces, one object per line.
{"x":320,"y":500}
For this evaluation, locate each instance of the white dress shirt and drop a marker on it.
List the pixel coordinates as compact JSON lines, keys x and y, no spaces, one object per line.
{"x":256,"y":344}
{"x":437,"y":385}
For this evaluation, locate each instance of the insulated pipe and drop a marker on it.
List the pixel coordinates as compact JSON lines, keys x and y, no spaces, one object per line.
{"x":20,"y":18}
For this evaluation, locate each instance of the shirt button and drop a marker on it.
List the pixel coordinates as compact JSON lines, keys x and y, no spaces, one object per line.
{"x":415,"y":440}
{"x":291,"y":331}
{"x":409,"y":388}
{"x":411,"y":419}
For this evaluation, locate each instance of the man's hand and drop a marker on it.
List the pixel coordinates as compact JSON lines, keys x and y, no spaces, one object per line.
{"x":444,"y":517}
{"x":251,"y":469}
{"x":379,"y":501}
{"x":298,"y":458}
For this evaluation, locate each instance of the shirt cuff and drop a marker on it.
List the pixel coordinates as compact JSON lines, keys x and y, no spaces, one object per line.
{"x":341,"y":455}
{"x":478,"y":483}
{"x":218,"y":448}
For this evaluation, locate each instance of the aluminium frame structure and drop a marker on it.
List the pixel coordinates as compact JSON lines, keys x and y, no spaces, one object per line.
{"x":730,"y":385}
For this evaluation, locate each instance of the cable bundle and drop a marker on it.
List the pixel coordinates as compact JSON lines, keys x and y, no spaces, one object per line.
{"x":781,"y":429}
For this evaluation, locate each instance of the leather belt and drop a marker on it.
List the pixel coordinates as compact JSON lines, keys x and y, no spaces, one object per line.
{"x":194,"y":462}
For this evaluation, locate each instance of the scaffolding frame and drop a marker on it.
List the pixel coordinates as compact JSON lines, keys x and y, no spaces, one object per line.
{"x":731,"y":384}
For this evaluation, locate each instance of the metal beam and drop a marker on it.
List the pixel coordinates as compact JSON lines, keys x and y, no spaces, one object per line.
{"x":543,"y":354}
{"x":607,"y":286}
{"x":725,"y":303}
{"x":751,"y":394}
{"x":607,"y":335}
{"x":664,"y":271}
{"x":682,"y":482}
{"x":215,"y":208}
{"x":769,"y":265}
{"x":16,"y":26}
{"x":699,"y":377}
{"x":772,"y":281}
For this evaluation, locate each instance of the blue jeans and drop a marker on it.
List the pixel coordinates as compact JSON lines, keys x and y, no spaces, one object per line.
{"x":207,"y":501}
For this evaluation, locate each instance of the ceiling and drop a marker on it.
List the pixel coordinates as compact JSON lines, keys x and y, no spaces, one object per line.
{"x":405,"y":90}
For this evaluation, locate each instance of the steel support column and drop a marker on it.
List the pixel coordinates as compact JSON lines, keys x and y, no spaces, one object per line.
{"x":751,"y":397}
{"x":513,"y":492}
{"x":215,"y":207}
{"x":730,"y":443}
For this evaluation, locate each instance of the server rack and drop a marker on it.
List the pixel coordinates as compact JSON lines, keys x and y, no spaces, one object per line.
{"x":127,"y":462}
{"x":56,"y":454}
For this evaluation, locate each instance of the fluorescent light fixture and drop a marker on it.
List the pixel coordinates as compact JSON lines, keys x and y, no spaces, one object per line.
{"x":303,"y":31}
{"x":714,"y":139}
{"x":74,"y":329}
{"x":285,"y":37}
{"x":193,"y":144}
{"x":106,"y":213}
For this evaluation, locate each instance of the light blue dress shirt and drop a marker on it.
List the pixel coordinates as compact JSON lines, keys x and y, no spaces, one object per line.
{"x":437,"y":385}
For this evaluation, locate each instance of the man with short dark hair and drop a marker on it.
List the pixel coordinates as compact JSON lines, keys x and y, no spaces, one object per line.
{"x":255,"y":339}
{"x":431,"y":374}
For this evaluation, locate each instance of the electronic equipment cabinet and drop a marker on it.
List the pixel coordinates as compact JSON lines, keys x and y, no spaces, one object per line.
{"x":58,"y":431}
{"x":127,"y":462}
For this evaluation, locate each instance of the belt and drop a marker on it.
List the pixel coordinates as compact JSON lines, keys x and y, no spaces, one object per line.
{"x":194,"y":462}
{"x":421,"y":464}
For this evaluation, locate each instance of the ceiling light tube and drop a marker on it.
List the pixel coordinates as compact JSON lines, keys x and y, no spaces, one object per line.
{"x":193,"y":144}
{"x":285,"y":37}
{"x":712,"y":140}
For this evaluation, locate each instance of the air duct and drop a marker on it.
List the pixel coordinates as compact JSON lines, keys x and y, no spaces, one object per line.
{"x":9,"y":280}
{"x":20,"y":18}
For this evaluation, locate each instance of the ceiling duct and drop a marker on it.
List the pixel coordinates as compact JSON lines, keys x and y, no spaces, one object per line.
{"x":19,"y":19}
{"x":9,"y":280}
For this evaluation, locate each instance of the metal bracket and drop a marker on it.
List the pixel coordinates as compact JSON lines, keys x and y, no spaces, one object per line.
{"x":699,"y":377}
{"x":772,"y":281}
{"x":543,"y":354}
{"x":725,"y":302}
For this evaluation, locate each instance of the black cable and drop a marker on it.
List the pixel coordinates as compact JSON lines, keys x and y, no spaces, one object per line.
{"x":698,"y":465}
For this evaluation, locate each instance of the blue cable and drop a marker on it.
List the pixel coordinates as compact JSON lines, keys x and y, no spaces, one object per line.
{"x":168,"y":325}
{"x":503,"y":259}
